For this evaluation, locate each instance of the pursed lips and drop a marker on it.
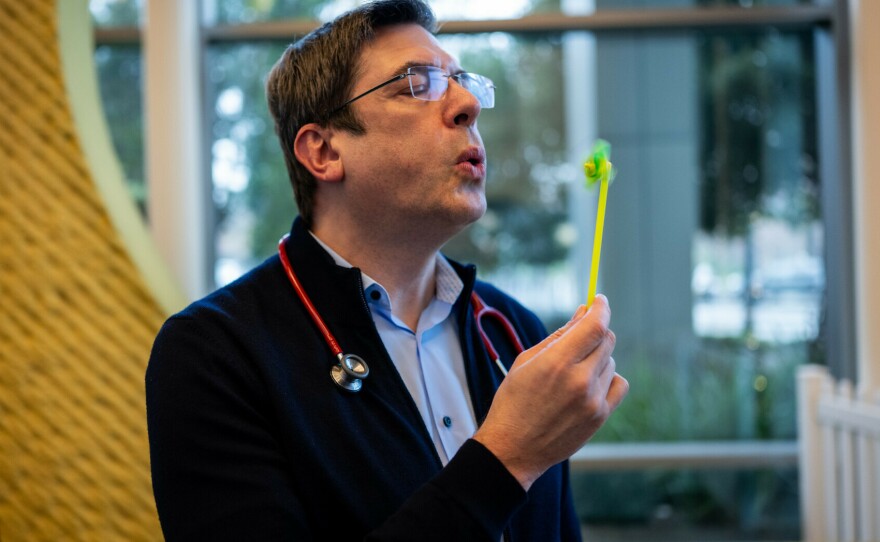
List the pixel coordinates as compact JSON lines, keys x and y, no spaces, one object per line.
{"x":473,"y":161}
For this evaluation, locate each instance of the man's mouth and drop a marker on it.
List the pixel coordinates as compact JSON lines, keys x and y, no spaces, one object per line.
{"x":476,"y":156}
{"x":473,"y":162}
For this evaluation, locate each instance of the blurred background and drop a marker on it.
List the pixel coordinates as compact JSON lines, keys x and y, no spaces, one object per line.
{"x":728,"y":242}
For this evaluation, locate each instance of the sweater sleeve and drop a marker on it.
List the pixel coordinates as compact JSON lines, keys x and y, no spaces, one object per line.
{"x":472,"y":498}
{"x":219,"y":472}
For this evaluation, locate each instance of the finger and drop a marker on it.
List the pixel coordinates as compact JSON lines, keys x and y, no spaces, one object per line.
{"x":599,"y":376}
{"x":607,"y":375}
{"x":535,"y":350}
{"x":601,"y":309}
{"x":617,"y":391}
{"x":598,"y":362}
{"x":588,"y":332}
{"x":607,"y":369}
{"x":576,"y":340}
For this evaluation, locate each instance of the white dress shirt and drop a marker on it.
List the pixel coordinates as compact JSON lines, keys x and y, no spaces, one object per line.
{"x":429,"y":358}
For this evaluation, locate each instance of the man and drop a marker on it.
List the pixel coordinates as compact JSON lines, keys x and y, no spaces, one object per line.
{"x":251,"y":439}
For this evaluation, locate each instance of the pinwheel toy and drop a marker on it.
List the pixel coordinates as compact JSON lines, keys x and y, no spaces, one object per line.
{"x":598,"y":169}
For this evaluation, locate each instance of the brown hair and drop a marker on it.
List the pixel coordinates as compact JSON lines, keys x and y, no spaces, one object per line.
{"x":316,"y":74}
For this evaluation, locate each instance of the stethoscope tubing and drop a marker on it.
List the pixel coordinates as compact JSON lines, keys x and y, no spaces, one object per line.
{"x":350,"y":370}
{"x":310,"y":307}
{"x":481,"y":310}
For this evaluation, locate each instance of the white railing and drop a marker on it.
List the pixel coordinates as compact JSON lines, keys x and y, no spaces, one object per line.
{"x":739,"y":454}
{"x":839,"y":440}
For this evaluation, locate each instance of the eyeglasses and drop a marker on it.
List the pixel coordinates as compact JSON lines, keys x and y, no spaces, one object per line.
{"x":430,"y":83}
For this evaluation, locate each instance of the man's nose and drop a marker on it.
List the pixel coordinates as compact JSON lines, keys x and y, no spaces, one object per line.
{"x":464,"y":107}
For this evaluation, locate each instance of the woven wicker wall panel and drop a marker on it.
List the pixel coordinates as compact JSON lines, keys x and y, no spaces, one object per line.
{"x":77,"y":319}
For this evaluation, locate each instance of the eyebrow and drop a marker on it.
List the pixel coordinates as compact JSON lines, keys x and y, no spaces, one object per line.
{"x":412,"y":63}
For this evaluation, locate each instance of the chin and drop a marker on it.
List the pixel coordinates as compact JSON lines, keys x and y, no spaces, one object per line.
{"x":454,"y":220}
{"x":475,"y":209}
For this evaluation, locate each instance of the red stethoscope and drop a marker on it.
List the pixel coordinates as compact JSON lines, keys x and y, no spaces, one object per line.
{"x":350,"y":370}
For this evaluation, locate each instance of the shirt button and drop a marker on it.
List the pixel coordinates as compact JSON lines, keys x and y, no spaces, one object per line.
{"x":447,"y":421}
{"x":375,"y":295}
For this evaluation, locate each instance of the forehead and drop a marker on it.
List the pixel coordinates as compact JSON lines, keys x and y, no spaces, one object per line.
{"x":398,"y":45}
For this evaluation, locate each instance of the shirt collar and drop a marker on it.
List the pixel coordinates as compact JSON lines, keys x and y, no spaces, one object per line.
{"x":448,"y":285}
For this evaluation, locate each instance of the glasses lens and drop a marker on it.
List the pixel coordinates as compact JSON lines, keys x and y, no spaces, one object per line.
{"x":430,"y":83}
{"x":427,"y":82}
{"x":481,"y":87}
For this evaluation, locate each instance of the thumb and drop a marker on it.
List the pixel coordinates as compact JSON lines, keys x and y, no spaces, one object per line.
{"x":535,"y":350}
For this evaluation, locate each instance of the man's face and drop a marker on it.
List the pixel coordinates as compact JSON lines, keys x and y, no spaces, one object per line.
{"x":420,"y":166}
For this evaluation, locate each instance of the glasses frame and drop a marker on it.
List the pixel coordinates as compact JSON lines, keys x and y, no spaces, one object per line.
{"x":409,"y":72}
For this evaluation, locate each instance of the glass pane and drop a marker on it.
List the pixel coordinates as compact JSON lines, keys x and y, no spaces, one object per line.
{"x":491,"y":9}
{"x":252,"y":195}
{"x":714,"y":138}
{"x":110,"y":13}
{"x":119,"y":78}
{"x":712,"y":255}
{"x":523,"y":242}
{"x":250,"y":11}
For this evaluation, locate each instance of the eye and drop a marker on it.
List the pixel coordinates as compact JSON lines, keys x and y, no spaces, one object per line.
{"x":420,"y":85}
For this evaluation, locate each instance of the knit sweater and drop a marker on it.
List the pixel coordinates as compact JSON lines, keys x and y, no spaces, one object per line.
{"x":250,"y":439}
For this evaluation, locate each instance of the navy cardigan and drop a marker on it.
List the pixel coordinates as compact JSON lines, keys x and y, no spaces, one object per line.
{"x":251,"y":440}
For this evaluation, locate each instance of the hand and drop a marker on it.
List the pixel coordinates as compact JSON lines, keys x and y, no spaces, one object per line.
{"x":556,"y":396}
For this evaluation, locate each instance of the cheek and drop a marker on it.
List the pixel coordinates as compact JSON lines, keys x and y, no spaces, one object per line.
{"x":400,"y":154}
{"x":394,"y":150}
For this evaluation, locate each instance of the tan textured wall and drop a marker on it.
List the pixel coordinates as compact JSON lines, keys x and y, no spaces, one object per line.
{"x":76,"y":319}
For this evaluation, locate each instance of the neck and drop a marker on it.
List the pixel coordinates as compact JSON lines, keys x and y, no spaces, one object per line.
{"x":405,"y":270}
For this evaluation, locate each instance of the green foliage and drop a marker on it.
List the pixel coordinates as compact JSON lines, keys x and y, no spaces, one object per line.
{"x":119,"y":80}
{"x":726,"y":389}
{"x":115,"y":13}
{"x":754,"y":96}
{"x":686,"y":504}
{"x":525,"y":143}
{"x":267,"y":201}
{"x":247,"y":11}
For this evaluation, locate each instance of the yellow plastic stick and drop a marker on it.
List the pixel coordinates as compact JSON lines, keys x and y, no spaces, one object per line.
{"x":597,"y":241}
{"x":598,"y":168}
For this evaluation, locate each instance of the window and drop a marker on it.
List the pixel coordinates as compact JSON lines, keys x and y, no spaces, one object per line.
{"x":252,"y":194}
{"x":118,"y":60}
{"x":714,"y":238}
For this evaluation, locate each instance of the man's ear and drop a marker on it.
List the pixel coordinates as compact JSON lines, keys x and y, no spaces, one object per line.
{"x":314,"y":149}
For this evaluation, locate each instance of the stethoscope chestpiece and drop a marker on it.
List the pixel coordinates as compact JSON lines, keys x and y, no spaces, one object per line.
{"x":350,"y":372}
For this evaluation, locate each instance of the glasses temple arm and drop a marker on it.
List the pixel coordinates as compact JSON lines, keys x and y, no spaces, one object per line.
{"x":361,"y":95}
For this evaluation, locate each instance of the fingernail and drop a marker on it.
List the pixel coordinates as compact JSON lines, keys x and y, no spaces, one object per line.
{"x":581,"y":310}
